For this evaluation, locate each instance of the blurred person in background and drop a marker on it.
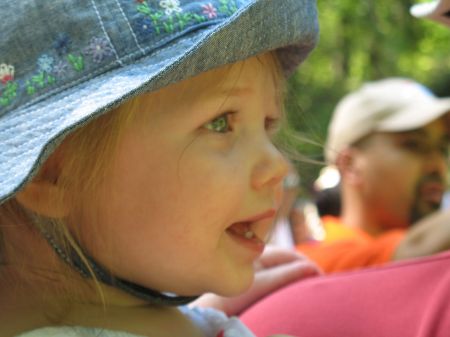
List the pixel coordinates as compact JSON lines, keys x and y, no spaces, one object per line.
{"x":328,"y":201}
{"x":310,"y":216}
{"x":297,"y":219}
{"x":305,"y":221}
{"x":327,"y":196}
{"x":389,"y":141}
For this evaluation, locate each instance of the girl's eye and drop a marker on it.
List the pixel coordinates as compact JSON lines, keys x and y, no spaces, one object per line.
{"x":272,"y":125}
{"x":220,"y":124}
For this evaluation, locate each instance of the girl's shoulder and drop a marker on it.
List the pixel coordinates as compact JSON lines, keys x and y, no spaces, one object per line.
{"x":211,"y":322}
{"x":75,"y":332}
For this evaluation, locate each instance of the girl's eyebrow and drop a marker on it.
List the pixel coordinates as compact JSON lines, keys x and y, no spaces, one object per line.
{"x":237,"y":91}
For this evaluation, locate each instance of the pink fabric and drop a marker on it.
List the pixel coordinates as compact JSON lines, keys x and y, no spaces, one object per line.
{"x":401,"y":299}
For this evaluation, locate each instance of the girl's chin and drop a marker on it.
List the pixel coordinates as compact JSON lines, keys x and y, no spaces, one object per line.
{"x":229,"y":283}
{"x":235,"y":288}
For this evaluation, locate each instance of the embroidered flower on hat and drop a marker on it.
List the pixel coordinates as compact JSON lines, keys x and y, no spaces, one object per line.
{"x":9,"y":91}
{"x":169,"y":17}
{"x":62,"y":44}
{"x":144,"y":25}
{"x":6,"y":72}
{"x":209,"y":10}
{"x":39,"y":81}
{"x":99,"y":48}
{"x":45,"y":63}
{"x":152,"y":16}
{"x":51,"y":67}
{"x":61,"y":68}
{"x":170,"y":6}
{"x":164,"y":21}
{"x":8,"y":94}
{"x":63,"y":60}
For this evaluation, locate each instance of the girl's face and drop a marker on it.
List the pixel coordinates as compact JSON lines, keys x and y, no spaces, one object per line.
{"x":195,"y":172}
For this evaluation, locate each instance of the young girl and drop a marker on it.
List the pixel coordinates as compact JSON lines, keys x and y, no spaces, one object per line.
{"x":137,"y":169}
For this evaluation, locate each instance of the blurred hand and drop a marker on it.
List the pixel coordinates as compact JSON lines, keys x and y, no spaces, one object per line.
{"x":276,"y":268}
{"x":428,"y":236}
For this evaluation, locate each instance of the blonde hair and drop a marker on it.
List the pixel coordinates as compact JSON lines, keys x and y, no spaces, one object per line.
{"x":82,"y":162}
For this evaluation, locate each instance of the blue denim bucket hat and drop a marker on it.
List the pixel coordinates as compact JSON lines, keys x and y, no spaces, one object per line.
{"x":63,"y":63}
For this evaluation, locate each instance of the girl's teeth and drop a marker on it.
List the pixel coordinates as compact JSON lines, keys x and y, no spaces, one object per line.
{"x":249,"y":234}
{"x":242,"y":229}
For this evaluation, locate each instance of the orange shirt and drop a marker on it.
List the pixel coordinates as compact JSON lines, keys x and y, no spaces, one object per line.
{"x":346,"y":248}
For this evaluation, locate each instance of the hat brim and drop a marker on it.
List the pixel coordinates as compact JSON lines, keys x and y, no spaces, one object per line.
{"x":30,"y":134}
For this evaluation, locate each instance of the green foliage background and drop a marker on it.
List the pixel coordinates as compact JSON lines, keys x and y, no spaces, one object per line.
{"x":362,"y":41}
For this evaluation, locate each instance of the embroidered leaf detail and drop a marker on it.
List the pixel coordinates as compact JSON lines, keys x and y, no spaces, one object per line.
{"x":155,"y":16}
{"x":76,"y":62}
{"x":168,"y":26}
{"x":50,"y":79}
{"x":31,"y":90}
{"x":11,"y":89}
{"x":227,"y":7}
{"x":233,"y":7}
{"x":144,"y":9}
{"x":183,"y":19}
{"x":9,"y":93}
{"x":198,"y":18}
{"x":39,"y":79}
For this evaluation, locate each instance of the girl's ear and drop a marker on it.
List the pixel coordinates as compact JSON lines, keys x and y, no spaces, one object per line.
{"x":347,"y":163}
{"x":44,"y":198}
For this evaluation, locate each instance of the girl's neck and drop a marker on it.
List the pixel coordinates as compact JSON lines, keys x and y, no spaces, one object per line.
{"x":26,"y":313}
{"x":34,"y":293}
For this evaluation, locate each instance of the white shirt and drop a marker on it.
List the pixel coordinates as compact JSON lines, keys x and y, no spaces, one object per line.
{"x":211,"y":322}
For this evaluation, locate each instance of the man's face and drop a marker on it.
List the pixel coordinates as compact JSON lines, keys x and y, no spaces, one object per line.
{"x":404,"y":174}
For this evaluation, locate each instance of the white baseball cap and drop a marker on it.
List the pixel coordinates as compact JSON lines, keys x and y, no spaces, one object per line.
{"x":389,"y":105}
{"x":438,"y":10}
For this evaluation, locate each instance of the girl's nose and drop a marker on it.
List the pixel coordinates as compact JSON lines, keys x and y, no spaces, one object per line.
{"x":270,"y":169}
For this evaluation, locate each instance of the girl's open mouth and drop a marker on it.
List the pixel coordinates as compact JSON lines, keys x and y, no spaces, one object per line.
{"x":243,"y":234}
